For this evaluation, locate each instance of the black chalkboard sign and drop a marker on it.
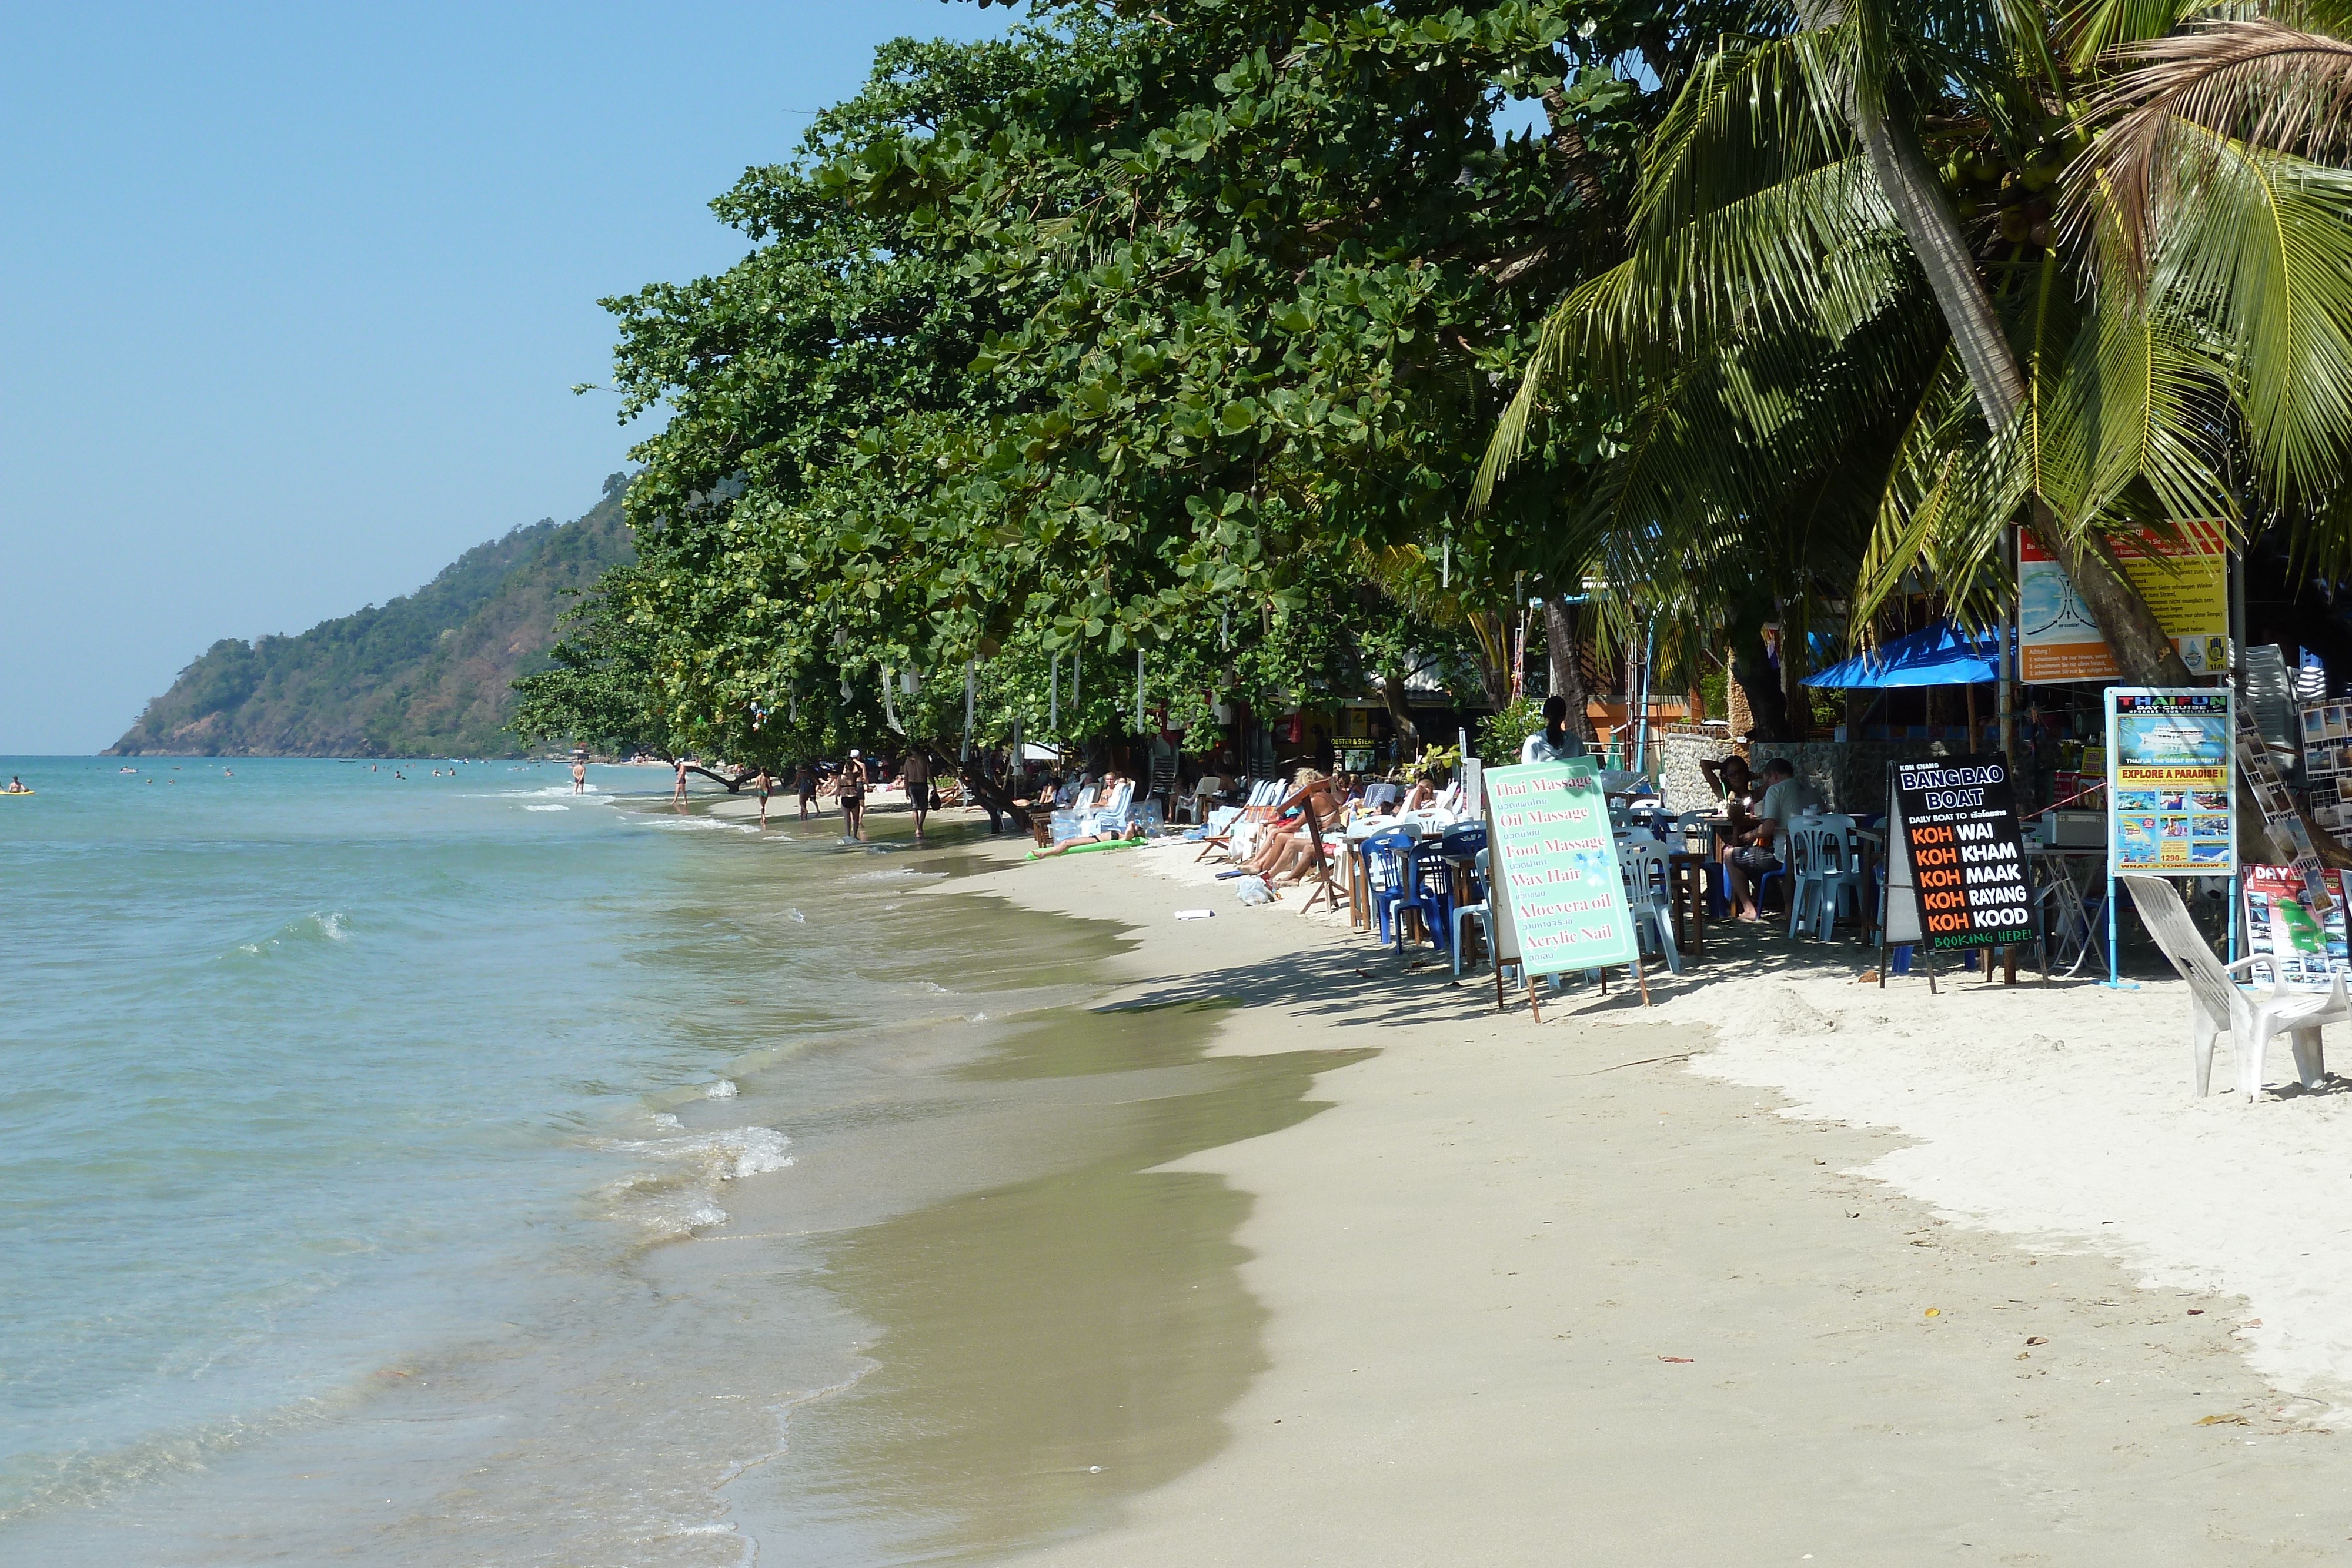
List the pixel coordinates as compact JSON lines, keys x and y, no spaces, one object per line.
{"x":1957,"y":819}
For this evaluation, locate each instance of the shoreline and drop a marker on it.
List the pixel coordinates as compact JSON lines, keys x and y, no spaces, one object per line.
{"x":1752,"y":1308}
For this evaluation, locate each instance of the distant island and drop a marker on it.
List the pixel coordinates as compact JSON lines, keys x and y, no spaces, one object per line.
{"x":427,"y":674}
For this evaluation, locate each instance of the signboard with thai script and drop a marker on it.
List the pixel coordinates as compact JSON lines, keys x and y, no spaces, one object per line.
{"x":1558,"y":896}
{"x":2170,"y":772}
{"x":1955,"y":819}
{"x":2183,"y":579}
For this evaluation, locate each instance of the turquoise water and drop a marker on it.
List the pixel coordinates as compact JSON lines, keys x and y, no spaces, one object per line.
{"x":345,"y":1107}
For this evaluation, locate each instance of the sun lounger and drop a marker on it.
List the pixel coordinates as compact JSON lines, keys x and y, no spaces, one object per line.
{"x":1263,"y":797}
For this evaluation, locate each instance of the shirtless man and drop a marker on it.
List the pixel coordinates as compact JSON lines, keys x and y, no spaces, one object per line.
{"x":805,"y":784}
{"x":678,"y":793}
{"x":915,"y":774}
{"x":580,"y":778}
{"x":765,"y":784}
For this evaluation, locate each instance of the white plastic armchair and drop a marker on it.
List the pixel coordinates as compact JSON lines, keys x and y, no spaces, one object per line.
{"x":2218,"y":1003}
{"x":1111,"y":816}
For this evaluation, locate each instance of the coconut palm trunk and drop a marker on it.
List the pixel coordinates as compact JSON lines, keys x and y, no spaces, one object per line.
{"x":2144,"y":656}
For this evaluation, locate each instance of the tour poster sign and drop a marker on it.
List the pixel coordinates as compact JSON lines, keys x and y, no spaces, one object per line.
{"x":1552,"y":861}
{"x":1958,"y":818}
{"x":2170,"y":778}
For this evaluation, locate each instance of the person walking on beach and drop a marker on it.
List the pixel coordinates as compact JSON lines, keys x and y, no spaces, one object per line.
{"x":851,"y":784}
{"x":578,"y":777}
{"x":678,"y":794}
{"x":915,"y":774}
{"x":764,"y":782}
{"x":805,"y":784}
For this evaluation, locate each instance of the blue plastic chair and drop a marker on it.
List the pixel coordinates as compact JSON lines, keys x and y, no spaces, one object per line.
{"x":1386,"y":875}
{"x":1430,"y":891}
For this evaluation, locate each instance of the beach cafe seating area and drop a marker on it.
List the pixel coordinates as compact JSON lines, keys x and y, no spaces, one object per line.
{"x":1408,"y":863}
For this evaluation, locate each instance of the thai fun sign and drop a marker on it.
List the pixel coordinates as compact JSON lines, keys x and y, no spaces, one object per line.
{"x":2171,"y":781}
{"x":1957,"y":819}
{"x":1558,"y":894}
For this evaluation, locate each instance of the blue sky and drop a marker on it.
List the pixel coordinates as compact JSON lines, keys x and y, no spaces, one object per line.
{"x":291,"y":299}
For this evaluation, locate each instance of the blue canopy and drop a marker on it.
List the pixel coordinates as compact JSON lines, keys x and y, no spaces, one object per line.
{"x":1940,"y":656}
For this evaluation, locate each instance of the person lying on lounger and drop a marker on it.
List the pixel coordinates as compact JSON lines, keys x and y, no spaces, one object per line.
{"x":1288,"y":848}
{"x":1134,"y":831}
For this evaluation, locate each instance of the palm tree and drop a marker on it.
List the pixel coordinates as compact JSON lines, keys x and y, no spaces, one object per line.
{"x":1825,"y":334}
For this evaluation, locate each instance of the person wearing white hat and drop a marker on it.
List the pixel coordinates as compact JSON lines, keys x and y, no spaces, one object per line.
{"x":853,"y":797}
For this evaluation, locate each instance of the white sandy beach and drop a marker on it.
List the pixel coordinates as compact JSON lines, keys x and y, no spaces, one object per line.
{"x":1784,"y":1268}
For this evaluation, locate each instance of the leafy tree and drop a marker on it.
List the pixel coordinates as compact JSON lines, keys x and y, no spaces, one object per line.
{"x":1843,"y":352}
{"x":1155,"y":326}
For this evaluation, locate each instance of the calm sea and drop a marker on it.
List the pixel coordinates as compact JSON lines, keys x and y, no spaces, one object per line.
{"x":345,"y":1109}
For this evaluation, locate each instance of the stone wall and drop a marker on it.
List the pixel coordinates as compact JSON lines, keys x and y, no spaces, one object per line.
{"x":1850,"y":774}
{"x":1680,"y":783}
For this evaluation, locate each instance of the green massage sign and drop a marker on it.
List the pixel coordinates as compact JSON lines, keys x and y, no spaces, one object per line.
{"x":1558,"y":898}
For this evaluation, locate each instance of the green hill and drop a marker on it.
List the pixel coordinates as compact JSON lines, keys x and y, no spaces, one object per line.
{"x":426,"y":676}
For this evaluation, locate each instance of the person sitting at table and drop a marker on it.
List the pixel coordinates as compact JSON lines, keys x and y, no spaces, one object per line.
{"x":1731,"y":779}
{"x":1758,"y":850}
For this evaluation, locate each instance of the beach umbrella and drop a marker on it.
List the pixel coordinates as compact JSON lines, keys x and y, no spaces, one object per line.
{"x":1940,"y":656}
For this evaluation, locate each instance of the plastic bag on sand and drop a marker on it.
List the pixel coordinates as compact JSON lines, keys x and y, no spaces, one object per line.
{"x":1252,"y":890}
{"x":1195,"y":913}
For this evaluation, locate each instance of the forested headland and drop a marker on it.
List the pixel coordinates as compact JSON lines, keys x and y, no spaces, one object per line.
{"x":431,"y":673}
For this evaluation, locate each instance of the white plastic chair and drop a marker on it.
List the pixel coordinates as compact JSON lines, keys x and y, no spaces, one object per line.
{"x":1111,"y":816}
{"x":2217,"y":1004}
{"x":1649,"y":894}
{"x":1823,"y":867}
{"x":1690,"y":830}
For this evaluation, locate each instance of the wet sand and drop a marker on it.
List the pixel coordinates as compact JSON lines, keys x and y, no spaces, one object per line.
{"x":1543,"y":1293}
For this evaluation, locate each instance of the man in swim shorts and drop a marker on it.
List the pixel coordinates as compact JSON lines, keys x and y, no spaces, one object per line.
{"x":580,"y":778}
{"x":804,"y":781}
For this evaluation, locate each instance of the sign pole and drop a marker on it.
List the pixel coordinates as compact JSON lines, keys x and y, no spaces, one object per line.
{"x":2114,"y":975}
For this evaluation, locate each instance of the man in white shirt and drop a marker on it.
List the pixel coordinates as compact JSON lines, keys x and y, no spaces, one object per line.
{"x":1786,"y":797}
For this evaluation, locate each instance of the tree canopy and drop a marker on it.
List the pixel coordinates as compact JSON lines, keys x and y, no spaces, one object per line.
{"x":1148,"y":327}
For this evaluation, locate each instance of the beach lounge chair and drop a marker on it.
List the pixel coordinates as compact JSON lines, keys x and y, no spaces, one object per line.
{"x":2217,"y":1004}
{"x":1263,"y":797}
{"x":1106,"y":819}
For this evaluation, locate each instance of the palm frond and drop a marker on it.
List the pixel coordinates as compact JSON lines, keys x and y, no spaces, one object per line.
{"x":2259,"y":254}
{"x":2089,"y":29}
{"x":2255,"y":81}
